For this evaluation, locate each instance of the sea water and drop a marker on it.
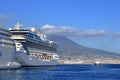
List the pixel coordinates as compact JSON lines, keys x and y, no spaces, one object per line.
{"x":63,"y":72}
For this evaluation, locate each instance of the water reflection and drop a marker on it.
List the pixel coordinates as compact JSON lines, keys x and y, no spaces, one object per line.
{"x":25,"y":73}
{"x":63,"y":72}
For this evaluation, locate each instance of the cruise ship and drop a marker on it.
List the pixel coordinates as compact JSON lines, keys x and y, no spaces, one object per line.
{"x":33,"y":49}
{"x":7,"y":51}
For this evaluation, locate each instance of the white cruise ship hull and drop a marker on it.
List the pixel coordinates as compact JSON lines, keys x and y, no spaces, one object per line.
{"x":8,"y":58}
{"x":31,"y":61}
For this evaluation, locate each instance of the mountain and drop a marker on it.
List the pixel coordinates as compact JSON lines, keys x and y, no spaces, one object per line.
{"x":70,"y":49}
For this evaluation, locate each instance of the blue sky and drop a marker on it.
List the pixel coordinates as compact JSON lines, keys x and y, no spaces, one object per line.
{"x":92,"y":23}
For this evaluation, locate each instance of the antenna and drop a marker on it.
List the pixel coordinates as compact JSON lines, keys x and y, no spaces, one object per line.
{"x":17,"y":26}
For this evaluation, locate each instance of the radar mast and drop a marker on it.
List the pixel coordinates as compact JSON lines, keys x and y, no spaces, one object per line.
{"x":17,"y":26}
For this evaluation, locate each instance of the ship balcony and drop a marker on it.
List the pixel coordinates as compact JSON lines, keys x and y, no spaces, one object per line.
{"x":21,"y":37}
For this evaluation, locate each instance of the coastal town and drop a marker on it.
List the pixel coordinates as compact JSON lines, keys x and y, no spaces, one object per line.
{"x":90,"y":61}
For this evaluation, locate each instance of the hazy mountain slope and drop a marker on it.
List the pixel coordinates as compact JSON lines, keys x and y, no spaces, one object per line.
{"x":68,"y":47}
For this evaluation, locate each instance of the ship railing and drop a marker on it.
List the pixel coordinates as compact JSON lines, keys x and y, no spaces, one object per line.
{"x":4,"y":32}
{"x":29,"y":38}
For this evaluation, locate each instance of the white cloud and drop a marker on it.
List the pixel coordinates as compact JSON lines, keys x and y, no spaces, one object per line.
{"x":72,"y":32}
{"x":92,"y":32}
{"x":58,"y":30}
{"x":47,"y":26}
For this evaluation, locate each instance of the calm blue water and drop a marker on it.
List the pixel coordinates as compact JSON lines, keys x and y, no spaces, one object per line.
{"x":63,"y":72}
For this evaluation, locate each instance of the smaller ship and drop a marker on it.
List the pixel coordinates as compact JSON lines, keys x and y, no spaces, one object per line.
{"x":97,"y":63}
{"x":7,"y":51}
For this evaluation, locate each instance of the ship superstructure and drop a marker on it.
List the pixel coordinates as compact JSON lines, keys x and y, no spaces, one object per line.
{"x":7,"y":51}
{"x":34,"y":49}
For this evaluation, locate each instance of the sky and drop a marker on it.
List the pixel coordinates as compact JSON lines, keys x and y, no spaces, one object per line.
{"x":91,"y":23}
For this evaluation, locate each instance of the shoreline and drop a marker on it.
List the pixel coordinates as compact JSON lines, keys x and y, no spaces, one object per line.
{"x":112,"y":61}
